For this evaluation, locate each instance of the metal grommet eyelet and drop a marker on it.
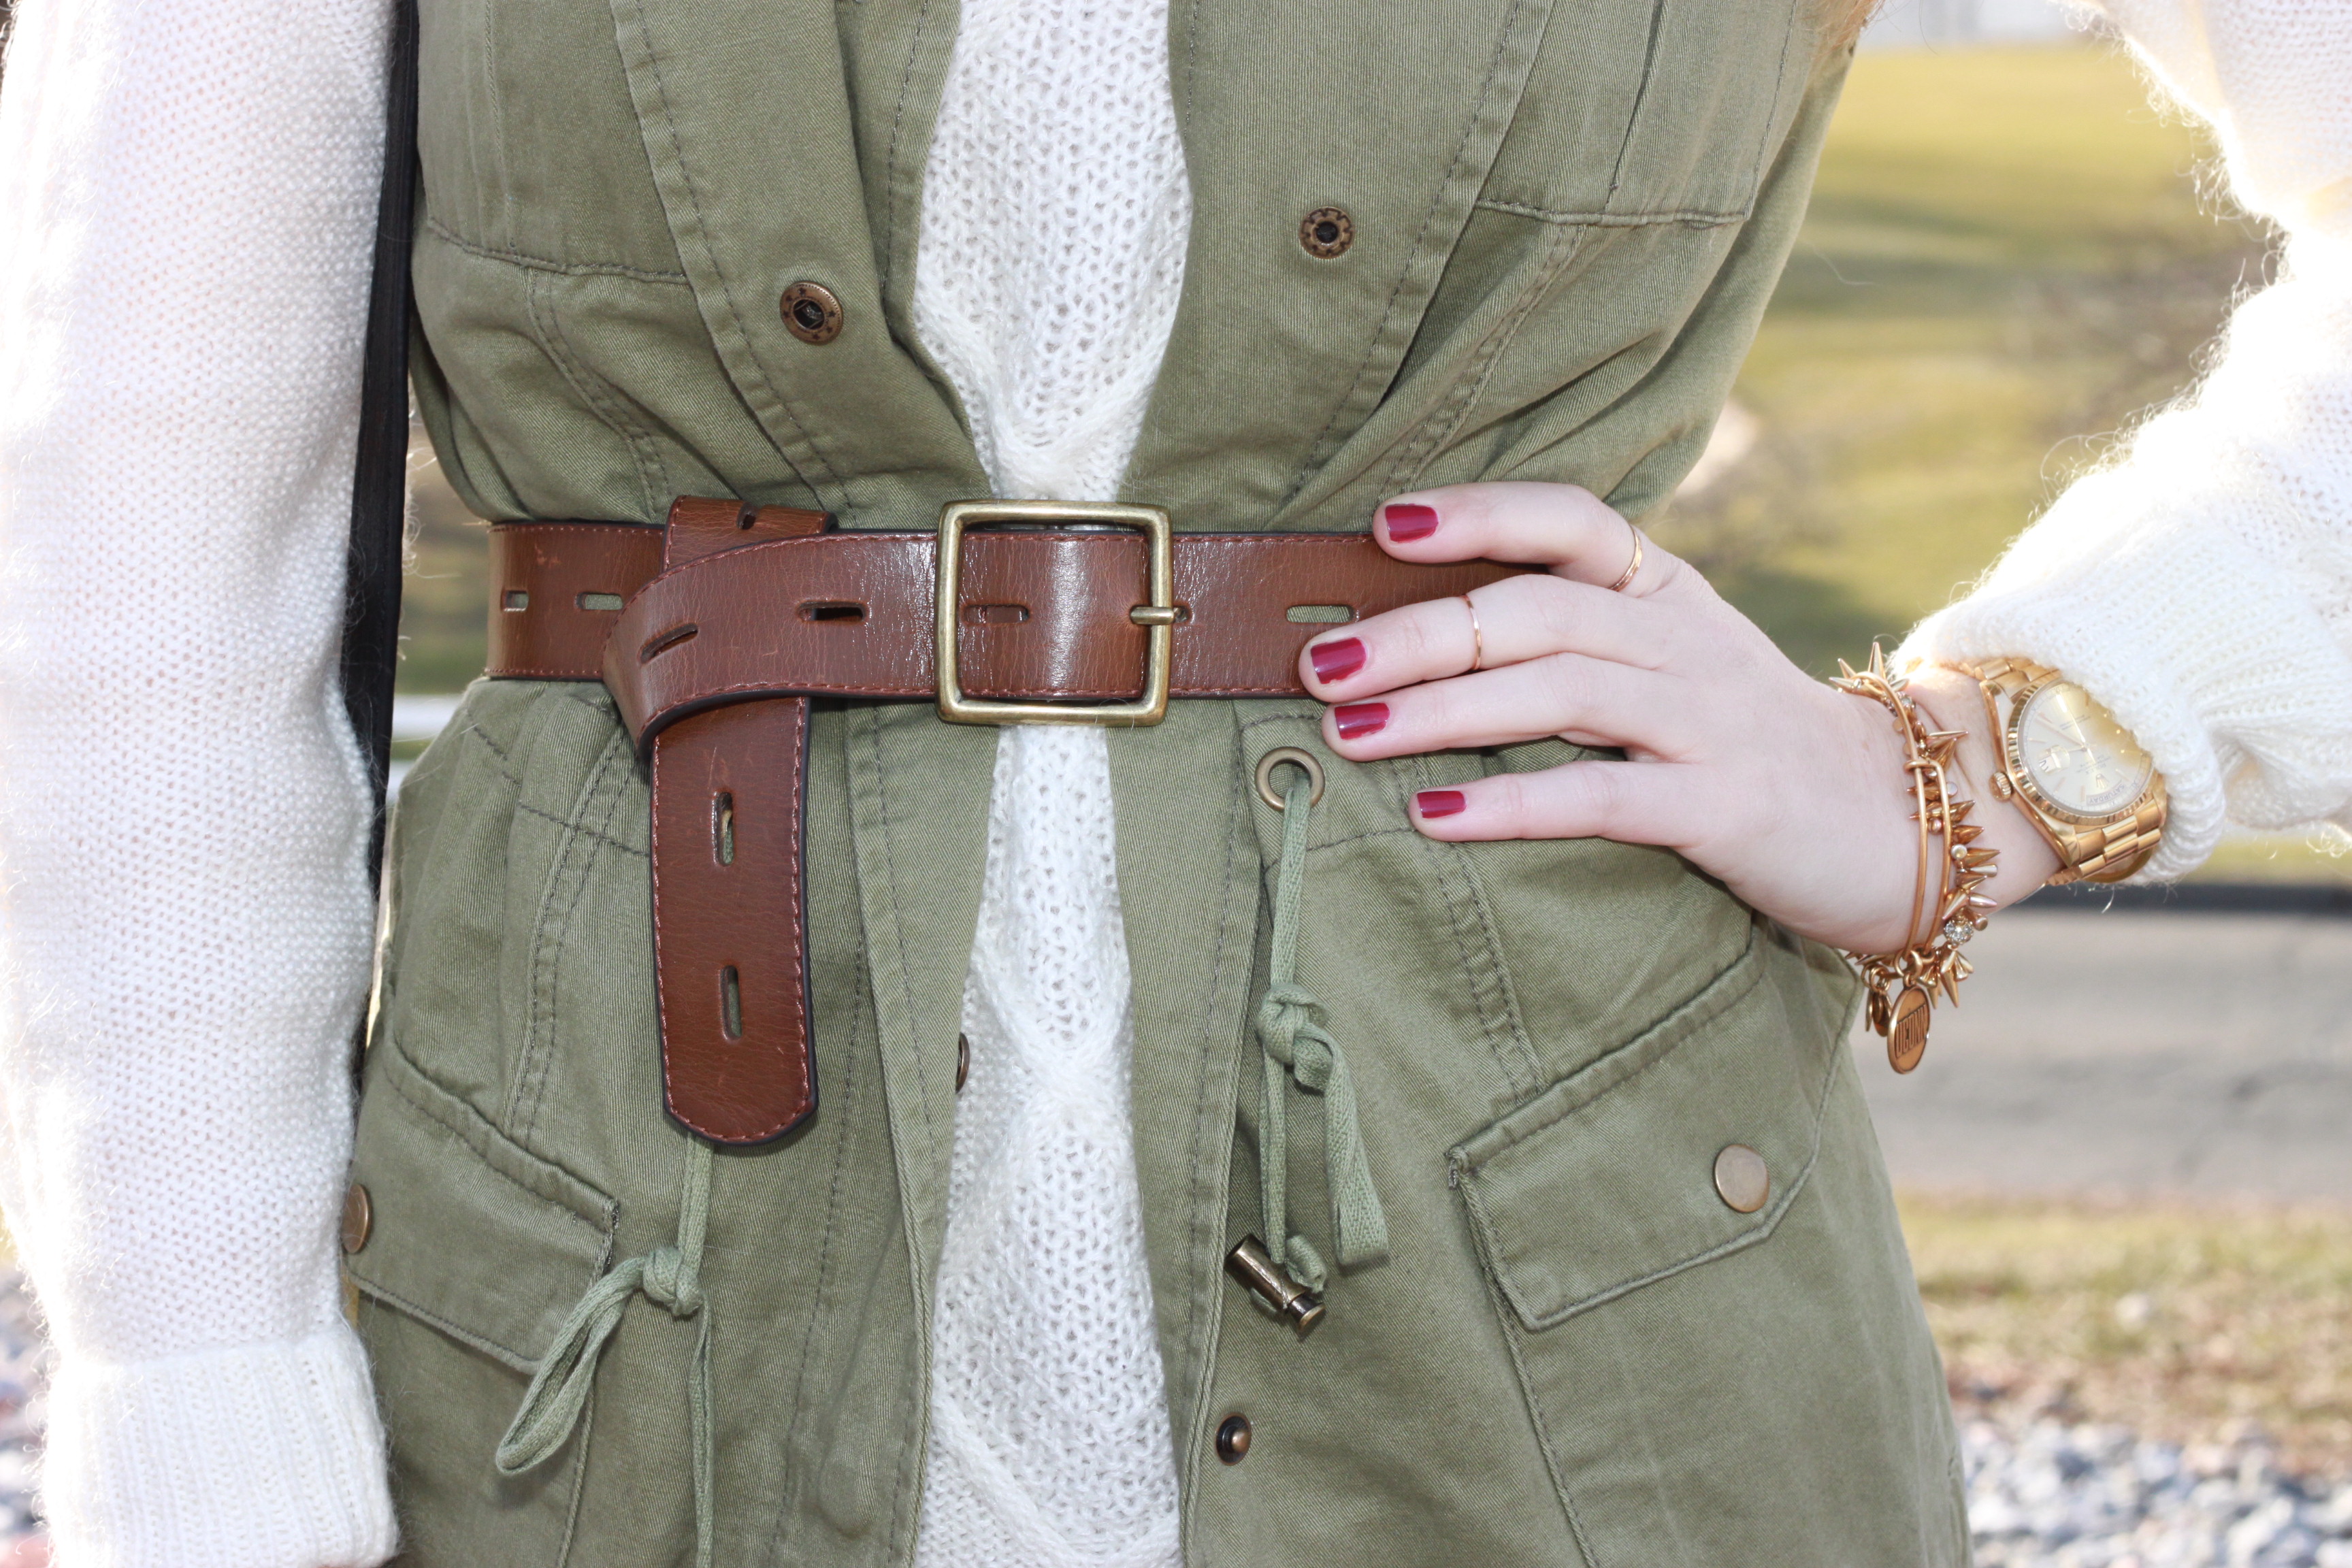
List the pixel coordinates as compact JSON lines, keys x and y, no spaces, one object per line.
{"x":1327,"y":231}
{"x":1275,"y":759}
{"x":812,"y":313}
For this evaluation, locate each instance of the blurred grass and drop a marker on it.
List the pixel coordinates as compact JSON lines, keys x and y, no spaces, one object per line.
{"x":2007,"y":254}
{"x":2193,"y":1325}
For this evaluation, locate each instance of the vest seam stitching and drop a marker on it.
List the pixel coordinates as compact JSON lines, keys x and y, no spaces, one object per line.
{"x":1211,"y":1172}
{"x":1445,"y":422}
{"x":1707,"y":217}
{"x":844,"y":1095}
{"x":506,"y":772}
{"x":513,"y":257}
{"x":1419,"y":239}
{"x":592,"y":390}
{"x":531,"y":1084}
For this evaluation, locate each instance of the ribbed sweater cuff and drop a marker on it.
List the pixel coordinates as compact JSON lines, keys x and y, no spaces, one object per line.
{"x":260,"y":1456}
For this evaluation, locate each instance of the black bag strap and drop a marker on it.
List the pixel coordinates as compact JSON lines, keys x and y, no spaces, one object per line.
{"x":370,"y":654}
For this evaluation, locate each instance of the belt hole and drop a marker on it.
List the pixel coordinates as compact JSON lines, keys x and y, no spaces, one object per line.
{"x":831,"y":610}
{"x":722,"y":826}
{"x":994,"y":615}
{"x":516,"y":599}
{"x":598,"y":601}
{"x":667,"y":641}
{"x":1319,"y":614}
{"x":731,"y":1003}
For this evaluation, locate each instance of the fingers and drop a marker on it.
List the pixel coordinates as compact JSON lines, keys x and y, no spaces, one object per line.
{"x":1564,"y":527}
{"x":1633,"y":803}
{"x":1563,"y":694}
{"x":1519,"y":619}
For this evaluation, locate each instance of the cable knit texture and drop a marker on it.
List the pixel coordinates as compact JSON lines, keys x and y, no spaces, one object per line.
{"x":187,"y":197}
{"x":1050,"y":258}
{"x":2200,"y":584}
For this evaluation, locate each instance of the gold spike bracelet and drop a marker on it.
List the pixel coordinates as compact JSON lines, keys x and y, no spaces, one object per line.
{"x":1903,"y":986}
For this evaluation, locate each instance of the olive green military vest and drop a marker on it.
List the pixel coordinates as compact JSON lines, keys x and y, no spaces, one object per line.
{"x":1566,"y":217}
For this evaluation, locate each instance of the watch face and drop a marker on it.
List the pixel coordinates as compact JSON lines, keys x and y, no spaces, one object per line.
{"x":2075,"y":755}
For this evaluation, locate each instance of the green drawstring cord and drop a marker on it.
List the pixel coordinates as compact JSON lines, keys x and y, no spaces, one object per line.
{"x":668,"y":1277}
{"x":1294,"y":1041}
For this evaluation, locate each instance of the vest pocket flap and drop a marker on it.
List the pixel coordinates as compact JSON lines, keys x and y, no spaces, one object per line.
{"x":1608,"y":1180}
{"x":469,"y":1231}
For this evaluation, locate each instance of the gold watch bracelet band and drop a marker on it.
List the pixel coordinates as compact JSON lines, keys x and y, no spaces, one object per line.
{"x":2106,"y":853}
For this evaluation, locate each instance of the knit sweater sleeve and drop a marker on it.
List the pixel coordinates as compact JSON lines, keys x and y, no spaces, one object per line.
{"x":2200,"y":584}
{"x":187,"y":195}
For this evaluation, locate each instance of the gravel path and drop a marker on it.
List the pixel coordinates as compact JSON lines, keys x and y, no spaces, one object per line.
{"x":2054,"y":1496}
{"x":24,"y":1378}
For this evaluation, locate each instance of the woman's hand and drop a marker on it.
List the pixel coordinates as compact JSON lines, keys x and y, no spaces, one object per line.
{"x":1790,"y":792}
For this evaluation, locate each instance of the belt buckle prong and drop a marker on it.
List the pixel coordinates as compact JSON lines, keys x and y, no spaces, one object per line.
{"x":1156,"y":615}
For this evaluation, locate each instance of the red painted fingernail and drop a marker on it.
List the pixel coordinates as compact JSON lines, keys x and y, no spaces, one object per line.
{"x":1358,"y":719}
{"x":1409,"y":519}
{"x":1439,"y":802}
{"x":1339,"y":660}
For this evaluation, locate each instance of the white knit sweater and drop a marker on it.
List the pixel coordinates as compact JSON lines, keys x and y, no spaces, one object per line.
{"x":1049,"y":261}
{"x":186,"y":192}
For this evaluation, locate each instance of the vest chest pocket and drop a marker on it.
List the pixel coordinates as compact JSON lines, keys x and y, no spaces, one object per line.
{"x":1654,"y":111}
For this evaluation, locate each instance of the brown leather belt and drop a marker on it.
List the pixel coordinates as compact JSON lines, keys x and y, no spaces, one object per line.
{"x":714,"y":632}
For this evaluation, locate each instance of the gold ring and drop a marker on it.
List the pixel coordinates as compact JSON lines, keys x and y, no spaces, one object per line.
{"x":1632,"y":567}
{"x":1477,"y":639}
{"x":1304,"y":761}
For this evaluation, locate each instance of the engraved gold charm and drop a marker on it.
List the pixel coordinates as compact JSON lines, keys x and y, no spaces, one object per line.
{"x":1906,"y":1040}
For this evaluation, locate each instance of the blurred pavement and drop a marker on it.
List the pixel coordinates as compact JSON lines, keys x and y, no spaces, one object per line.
{"x":2133,"y":1053}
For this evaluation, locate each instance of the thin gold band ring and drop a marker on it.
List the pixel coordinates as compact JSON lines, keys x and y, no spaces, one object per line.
{"x":1632,"y":567}
{"x":1477,"y":639}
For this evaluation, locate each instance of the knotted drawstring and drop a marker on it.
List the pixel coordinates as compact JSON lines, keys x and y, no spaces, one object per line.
{"x":1295,"y":1042}
{"x":668,"y":1277}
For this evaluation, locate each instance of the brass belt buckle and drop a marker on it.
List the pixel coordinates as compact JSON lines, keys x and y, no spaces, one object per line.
{"x":1156,"y":615}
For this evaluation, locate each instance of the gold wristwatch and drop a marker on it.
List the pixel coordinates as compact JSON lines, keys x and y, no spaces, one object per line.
{"x":2077,"y":776}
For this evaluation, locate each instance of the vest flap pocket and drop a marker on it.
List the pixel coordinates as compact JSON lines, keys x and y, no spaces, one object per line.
{"x":469,"y":1231}
{"x":1608,"y":1179}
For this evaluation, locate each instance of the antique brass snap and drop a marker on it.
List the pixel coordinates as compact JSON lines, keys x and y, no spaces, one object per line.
{"x":359,"y":1218}
{"x":1327,"y":231}
{"x":812,"y":313}
{"x":1741,"y":1178}
{"x":1234,"y":1438}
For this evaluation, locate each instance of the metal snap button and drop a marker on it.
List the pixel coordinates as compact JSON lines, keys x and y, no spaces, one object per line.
{"x":1234,"y":1438}
{"x":359,"y":1218}
{"x":1741,"y":1178}
{"x":1327,"y":231}
{"x":812,"y":313}
{"x":963,"y":1061}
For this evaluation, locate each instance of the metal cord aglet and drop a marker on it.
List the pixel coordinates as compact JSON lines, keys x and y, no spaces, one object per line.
{"x":1250,"y":1263}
